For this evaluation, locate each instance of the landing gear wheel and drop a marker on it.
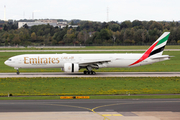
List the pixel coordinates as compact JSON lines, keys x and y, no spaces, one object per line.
{"x":93,"y":73}
{"x":89,"y":72}
{"x":85,"y":72}
{"x":17,"y":72}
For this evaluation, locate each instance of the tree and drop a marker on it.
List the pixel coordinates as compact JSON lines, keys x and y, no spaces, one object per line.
{"x":16,"y":40}
{"x":156,"y":25}
{"x":114,"y":37}
{"x":80,"y":37}
{"x":58,"y":36}
{"x":54,"y":42}
{"x":136,"y":23}
{"x":6,"y":42}
{"x":139,"y":36}
{"x":5,"y":28}
{"x":70,"y":37}
{"x":72,"y":23}
{"x":25,"y":26}
{"x":40,"y":32}
{"x":33,"y":36}
{"x":126,"y":24}
{"x":88,"y":32}
{"x":21,"y":36}
{"x":105,"y":34}
{"x":13,"y":26}
{"x":104,"y":25}
{"x":114,"y":27}
{"x":128,"y":41}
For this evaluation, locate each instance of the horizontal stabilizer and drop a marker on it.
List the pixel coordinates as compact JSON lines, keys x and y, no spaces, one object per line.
{"x":161,"y":57}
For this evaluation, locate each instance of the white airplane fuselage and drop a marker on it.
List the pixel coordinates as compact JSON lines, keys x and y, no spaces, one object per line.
{"x":58,"y":60}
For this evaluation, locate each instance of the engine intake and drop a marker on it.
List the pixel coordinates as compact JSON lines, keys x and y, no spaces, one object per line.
{"x":71,"y":67}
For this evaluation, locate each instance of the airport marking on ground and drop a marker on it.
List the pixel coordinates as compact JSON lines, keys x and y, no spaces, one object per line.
{"x":112,"y":115}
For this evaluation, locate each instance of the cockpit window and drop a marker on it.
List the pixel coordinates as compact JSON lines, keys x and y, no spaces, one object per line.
{"x":9,"y":59}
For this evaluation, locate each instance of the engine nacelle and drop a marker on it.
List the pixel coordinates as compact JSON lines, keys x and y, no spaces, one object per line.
{"x":71,"y":67}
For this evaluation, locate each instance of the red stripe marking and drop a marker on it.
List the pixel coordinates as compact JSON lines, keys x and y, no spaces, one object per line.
{"x":145,"y":55}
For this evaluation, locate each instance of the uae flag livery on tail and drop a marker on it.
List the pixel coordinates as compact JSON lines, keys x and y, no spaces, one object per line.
{"x":155,"y":49}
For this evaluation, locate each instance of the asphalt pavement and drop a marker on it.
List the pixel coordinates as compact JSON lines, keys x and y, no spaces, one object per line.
{"x":98,"y":74}
{"x":103,"y":109}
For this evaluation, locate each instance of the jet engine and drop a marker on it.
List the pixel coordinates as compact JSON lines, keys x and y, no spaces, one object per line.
{"x":71,"y":67}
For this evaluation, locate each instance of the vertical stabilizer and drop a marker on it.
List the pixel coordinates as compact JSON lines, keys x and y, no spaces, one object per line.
{"x":156,"y":48}
{"x":160,"y":44}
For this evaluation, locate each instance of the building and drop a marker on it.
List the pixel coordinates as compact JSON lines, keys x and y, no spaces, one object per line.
{"x":30,"y":24}
{"x":47,"y":21}
{"x":64,"y":24}
{"x":54,"y":23}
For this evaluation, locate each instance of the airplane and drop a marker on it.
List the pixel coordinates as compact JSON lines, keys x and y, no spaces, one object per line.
{"x":71,"y":63}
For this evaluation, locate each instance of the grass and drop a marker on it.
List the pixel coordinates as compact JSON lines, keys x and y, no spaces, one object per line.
{"x":94,"y":97}
{"x":172,"y":65}
{"x":92,"y":48}
{"x":88,"y":86}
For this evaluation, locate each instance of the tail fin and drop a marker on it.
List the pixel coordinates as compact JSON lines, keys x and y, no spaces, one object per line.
{"x":156,"y":48}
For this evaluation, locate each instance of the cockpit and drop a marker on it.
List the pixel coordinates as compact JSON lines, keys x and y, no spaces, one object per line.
{"x":9,"y":62}
{"x":9,"y":59}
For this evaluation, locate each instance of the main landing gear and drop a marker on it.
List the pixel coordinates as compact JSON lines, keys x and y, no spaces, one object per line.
{"x":89,"y":71}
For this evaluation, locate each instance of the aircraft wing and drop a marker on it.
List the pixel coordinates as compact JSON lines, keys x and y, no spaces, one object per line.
{"x":89,"y":62}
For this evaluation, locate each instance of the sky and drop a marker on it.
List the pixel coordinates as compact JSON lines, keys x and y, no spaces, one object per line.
{"x":93,"y":10}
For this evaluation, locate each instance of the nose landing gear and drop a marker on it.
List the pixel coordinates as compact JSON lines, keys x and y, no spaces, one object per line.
{"x":17,"y":71}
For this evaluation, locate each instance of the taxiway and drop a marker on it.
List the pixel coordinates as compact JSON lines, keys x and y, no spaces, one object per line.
{"x":98,"y":74}
{"x":109,"y":109}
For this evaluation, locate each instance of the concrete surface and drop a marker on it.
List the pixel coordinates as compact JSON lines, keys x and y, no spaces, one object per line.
{"x":89,"y":116}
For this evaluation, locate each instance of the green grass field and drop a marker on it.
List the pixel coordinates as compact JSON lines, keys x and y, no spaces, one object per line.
{"x":172,"y":65}
{"x":92,"y":48}
{"x":88,"y":86}
{"x":95,"y":97}
{"x":97,"y":88}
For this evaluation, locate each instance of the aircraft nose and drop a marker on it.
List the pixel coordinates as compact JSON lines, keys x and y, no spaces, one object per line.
{"x":6,"y":62}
